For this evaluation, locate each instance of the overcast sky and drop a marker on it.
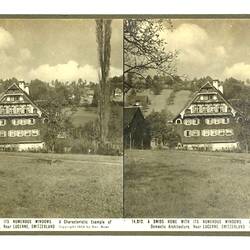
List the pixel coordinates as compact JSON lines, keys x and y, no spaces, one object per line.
{"x":216,"y":47}
{"x":54,"y":49}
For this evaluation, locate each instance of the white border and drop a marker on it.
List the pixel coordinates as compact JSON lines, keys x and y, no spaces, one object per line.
{"x":124,"y":7}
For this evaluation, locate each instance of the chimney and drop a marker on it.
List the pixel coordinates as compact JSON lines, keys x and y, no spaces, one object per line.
{"x":27,"y":90}
{"x":221,"y":89}
{"x":23,"y":87}
{"x":216,"y":84}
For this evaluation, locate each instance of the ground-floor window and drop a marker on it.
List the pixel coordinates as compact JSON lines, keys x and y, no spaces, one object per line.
{"x":208,"y":132}
{"x":23,"y":133}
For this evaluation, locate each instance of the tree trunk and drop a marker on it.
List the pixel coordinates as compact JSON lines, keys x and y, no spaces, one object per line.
{"x":103,"y":34}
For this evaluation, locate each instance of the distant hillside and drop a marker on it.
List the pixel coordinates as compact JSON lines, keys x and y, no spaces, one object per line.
{"x":180,"y":100}
{"x":160,"y":102}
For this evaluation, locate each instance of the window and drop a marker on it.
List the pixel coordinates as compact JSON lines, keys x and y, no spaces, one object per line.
{"x":229,"y":132}
{"x":209,"y":121}
{"x":2,"y":133}
{"x":195,"y":109}
{"x":32,"y":121}
{"x":196,"y":121}
{"x":217,"y":120}
{"x":187,"y":121}
{"x":19,"y":133}
{"x":205,"y":132}
{"x":204,"y":109}
{"x":35,"y":132}
{"x":214,"y":132}
{"x":178,"y":121}
{"x":187,"y":133}
{"x":196,"y":133}
{"x":11,"y":133}
{"x":226,"y":120}
{"x":8,"y":99}
{"x":221,"y":132}
{"x":35,"y":111}
{"x":20,"y":98}
{"x":2,"y":122}
{"x":215,"y":97}
{"x":27,"y":132}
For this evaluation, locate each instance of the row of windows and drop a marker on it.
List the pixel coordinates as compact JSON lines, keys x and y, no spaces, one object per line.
{"x":208,"y":132}
{"x":16,"y":122}
{"x":194,"y":121}
{"x":30,"y":121}
{"x":14,"y":98}
{"x":208,"y":97}
{"x":208,"y":121}
{"x":17,"y":109}
{"x":19,"y":133}
{"x":209,"y":108}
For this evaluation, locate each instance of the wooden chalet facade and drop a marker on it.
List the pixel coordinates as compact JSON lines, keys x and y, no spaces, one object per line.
{"x":209,"y":121}
{"x":21,"y":120}
{"x":136,"y":133}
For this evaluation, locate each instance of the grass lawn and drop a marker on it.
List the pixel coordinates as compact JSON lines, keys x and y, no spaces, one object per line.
{"x":55,"y":185}
{"x":186,"y":184}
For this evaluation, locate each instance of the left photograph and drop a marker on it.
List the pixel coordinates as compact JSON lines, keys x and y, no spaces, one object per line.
{"x":61,"y":118}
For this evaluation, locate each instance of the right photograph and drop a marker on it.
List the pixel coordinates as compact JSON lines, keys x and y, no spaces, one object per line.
{"x":186,"y":118}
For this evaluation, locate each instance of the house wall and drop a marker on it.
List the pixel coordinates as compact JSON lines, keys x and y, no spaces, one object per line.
{"x":20,"y":120}
{"x":232,"y":125}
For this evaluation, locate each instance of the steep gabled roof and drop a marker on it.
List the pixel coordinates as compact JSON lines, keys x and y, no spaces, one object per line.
{"x":22,"y":91}
{"x":210,"y":85}
{"x":129,"y":114}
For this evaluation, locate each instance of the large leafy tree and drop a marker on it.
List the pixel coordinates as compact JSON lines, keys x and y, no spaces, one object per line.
{"x":145,"y":50}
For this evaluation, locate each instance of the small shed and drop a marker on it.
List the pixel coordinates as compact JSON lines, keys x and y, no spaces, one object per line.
{"x":136,"y":132}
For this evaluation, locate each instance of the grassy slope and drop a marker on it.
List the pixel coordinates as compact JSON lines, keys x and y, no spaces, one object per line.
{"x":159,"y":102}
{"x":180,"y":101}
{"x":186,"y":184}
{"x":54,"y":185}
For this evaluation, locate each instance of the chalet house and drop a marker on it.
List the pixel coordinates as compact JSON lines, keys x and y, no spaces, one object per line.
{"x":208,"y":121}
{"x":136,"y":133}
{"x":20,"y":119}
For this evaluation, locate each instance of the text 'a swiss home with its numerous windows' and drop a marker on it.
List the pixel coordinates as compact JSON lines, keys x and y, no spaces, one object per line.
{"x":21,"y":120}
{"x":209,"y":121}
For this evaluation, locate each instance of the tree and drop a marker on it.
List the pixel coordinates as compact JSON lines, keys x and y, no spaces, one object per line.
{"x":158,"y":125}
{"x":57,"y":122}
{"x":144,"y":50}
{"x":103,"y":36}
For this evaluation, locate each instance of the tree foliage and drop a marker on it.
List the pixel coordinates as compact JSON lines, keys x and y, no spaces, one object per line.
{"x":144,"y":49}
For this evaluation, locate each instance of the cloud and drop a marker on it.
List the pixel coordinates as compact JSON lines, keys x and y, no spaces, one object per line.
{"x":6,"y":39}
{"x":69,"y":71}
{"x":186,"y":35}
{"x":25,"y":54}
{"x":239,"y":70}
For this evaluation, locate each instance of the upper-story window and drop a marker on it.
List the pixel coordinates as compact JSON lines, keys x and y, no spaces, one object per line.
{"x":188,"y":121}
{"x":196,"y":121}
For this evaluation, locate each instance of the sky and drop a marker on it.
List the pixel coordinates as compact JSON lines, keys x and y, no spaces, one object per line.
{"x":49,"y":49}
{"x":219,"y":48}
